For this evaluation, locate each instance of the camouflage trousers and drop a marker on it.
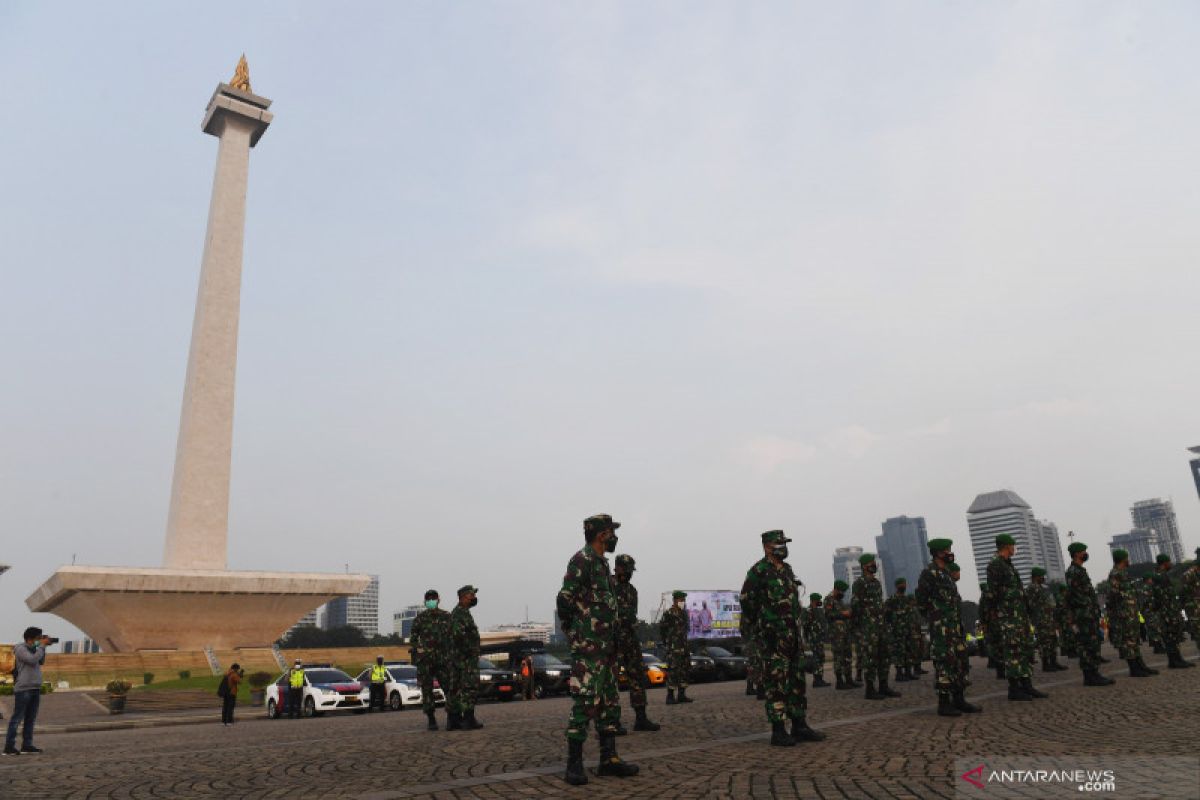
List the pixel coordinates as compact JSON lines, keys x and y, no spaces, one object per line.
{"x":427,"y":673}
{"x":678,"y":666}
{"x":1047,"y":641}
{"x":1153,"y":628}
{"x":464,"y":686}
{"x":783,"y":683}
{"x":839,"y":643}
{"x":991,"y":639}
{"x":904,"y":650}
{"x":1172,"y":630}
{"x":873,"y":651}
{"x":753,"y":664}
{"x":818,"y":654}
{"x":1066,"y":640}
{"x":1086,"y":635}
{"x":856,"y":645}
{"x":1125,"y":636}
{"x":594,"y":696}
{"x":1016,"y":647}
{"x":629,"y":656}
{"x":950,"y":661}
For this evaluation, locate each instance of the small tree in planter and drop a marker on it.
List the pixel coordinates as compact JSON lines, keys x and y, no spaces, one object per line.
{"x":117,"y":689}
{"x":147,"y":678}
{"x":258,"y":687}
{"x":184,"y":674}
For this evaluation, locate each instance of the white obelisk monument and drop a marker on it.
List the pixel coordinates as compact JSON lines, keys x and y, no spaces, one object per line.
{"x":193,"y":601}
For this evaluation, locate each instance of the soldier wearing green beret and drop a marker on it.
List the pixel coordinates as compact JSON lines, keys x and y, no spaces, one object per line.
{"x":1166,"y":604}
{"x":464,"y":668}
{"x":1012,"y":616}
{"x":770,"y":597}
{"x":837,"y":617}
{"x":1123,"y":629}
{"x":866,"y":614}
{"x":588,"y":612}
{"x":1189,"y":597}
{"x":1084,"y":615}
{"x":816,"y":631}
{"x":629,"y":648}
{"x":1041,"y":614}
{"x":673,"y":628}
{"x":898,"y":611}
{"x":939,"y":601}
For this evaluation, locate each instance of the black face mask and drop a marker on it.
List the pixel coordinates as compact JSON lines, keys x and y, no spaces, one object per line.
{"x":610,"y":546}
{"x":474,"y":602}
{"x":1085,"y":557}
{"x":949,"y":557}
{"x":870,"y":568}
{"x":780,"y":551}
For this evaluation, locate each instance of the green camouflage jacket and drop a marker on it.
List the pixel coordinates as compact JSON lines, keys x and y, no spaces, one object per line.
{"x":430,"y":639}
{"x":1082,"y":605}
{"x":866,"y":602}
{"x":938,"y":599}
{"x":587,"y":605}
{"x":627,"y":606}
{"x":465,"y":635}
{"x":771,"y":601}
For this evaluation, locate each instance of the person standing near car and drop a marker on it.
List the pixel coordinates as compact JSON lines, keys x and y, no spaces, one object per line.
{"x":29,"y":656}
{"x":464,"y":667}
{"x":295,"y":690}
{"x":673,"y":628}
{"x":526,"y":671}
{"x":431,"y":646}
{"x":229,"y":692}
{"x":379,"y":679}
{"x":629,"y":648}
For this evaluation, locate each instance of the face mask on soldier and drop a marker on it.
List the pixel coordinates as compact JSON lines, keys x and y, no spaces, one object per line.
{"x":431,"y":604}
{"x":1085,"y":557}
{"x":610,"y":546}
{"x":949,"y":557}
{"x":780,"y":551}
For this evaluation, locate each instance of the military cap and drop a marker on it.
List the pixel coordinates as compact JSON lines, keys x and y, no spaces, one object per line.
{"x":901,"y":581}
{"x":1148,"y":576}
{"x":1161,"y":558}
{"x":1004,"y":540}
{"x":625,"y":561}
{"x":775,"y":537}
{"x":938,"y":545}
{"x":815,"y":596}
{"x":866,"y":558}
{"x":1075,"y":547}
{"x":599,"y":522}
{"x":1120,"y":555}
{"x":468,"y":589}
{"x":983,"y":584}
{"x":952,"y":567}
{"x":431,"y":594}
{"x":842,"y":585}
{"x":1037,"y":572}
{"x":678,"y":594}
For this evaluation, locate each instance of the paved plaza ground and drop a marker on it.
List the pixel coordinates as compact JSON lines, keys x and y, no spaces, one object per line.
{"x":715,"y":747}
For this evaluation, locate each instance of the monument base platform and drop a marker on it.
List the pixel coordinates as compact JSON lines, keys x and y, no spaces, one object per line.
{"x":125,"y":609}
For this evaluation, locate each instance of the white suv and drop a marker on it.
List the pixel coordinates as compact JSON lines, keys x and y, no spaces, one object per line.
{"x":325,"y":689}
{"x":403,"y":689}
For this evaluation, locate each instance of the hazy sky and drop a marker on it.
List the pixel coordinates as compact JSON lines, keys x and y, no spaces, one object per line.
{"x":712,"y":268}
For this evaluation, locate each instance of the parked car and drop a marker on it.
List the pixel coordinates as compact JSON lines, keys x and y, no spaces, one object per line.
{"x":728,"y":665}
{"x":403,"y":690}
{"x":702,"y":670}
{"x":325,"y":689}
{"x":550,"y":676}
{"x":656,"y":671}
{"x":496,"y":683}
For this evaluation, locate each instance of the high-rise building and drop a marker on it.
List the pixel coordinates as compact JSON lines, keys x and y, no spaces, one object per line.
{"x":80,"y":646}
{"x":1158,"y":515}
{"x":402,"y":620}
{"x":1004,"y":511}
{"x":1195,"y":462}
{"x":538,"y":631}
{"x":1048,"y":551}
{"x":1141,"y":544}
{"x":359,"y":611}
{"x":845,"y":564}
{"x":310,"y":620}
{"x":903,"y":547}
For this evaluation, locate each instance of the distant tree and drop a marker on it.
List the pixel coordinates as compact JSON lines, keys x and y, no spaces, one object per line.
{"x":309,"y":637}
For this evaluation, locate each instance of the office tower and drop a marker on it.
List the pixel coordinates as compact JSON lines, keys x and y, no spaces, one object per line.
{"x":903,"y":549}
{"x":1159,"y":516}
{"x":1141,"y":544}
{"x":402,"y":621}
{"x":359,"y":611}
{"x":1004,"y":511}
{"x":845,"y":564}
{"x":1048,"y":552}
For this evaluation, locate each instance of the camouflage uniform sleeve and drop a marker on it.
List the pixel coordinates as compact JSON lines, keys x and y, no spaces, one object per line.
{"x":749,"y":602}
{"x":857,"y":600}
{"x":416,"y":642}
{"x":568,"y":598}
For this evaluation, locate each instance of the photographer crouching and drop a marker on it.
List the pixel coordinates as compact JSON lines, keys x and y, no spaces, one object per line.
{"x":27,"y":690}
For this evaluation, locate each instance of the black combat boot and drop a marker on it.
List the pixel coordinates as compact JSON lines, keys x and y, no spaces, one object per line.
{"x":1046,"y":665}
{"x":1135,"y":669}
{"x":858,"y":676}
{"x":750,"y":690}
{"x":760,"y":693}
{"x":1104,"y":660}
{"x":854,"y":684}
{"x":946,"y":706}
{"x":1058,"y":666}
{"x":841,"y":684}
{"x":432,"y":726}
{"x":1016,"y":691}
{"x":1159,"y":649}
{"x":453,"y":721}
{"x":610,"y":762}
{"x":819,"y":681}
{"x":886,"y":690}
{"x":802,"y":733}
{"x":1027,"y":685}
{"x":1000,"y":673}
{"x":919,"y":670}
{"x":960,"y":702}
{"x":469,"y":722}
{"x":1176,"y":661}
{"x":1145,"y":668}
{"x":900,"y":676}
{"x":1093,"y":677}
{"x":683,"y":698}
{"x":780,"y":737}
{"x":870,"y":693}
{"x":621,"y":729}
{"x":910,"y":674}
{"x":575,"y":774}
{"x":670,"y":697}
{"x":643,"y":723}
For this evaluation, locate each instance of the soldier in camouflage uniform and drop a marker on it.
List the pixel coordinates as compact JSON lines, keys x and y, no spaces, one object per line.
{"x":464,"y":664}
{"x":588,"y":612}
{"x":939,"y":602}
{"x":1041,"y":614}
{"x":816,"y":631}
{"x":866,"y":615}
{"x":673,"y":629}
{"x":1066,"y":635}
{"x":629,"y":648}
{"x":1123,"y":629}
{"x":837,"y":617}
{"x":898,"y":613}
{"x":1153,"y":625}
{"x":1012,"y":618}
{"x":429,"y":647}
{"x":1166,"y":604}
{"x":1083,"y":614}
{"x":753,"y":662}
{"x":770,"y":598}
{"x":1189,"y":597}
{"x":991,"y":630}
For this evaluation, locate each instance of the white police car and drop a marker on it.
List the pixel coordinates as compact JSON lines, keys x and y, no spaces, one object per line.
{"x":325,"y":689}
{"x":402,"y":687}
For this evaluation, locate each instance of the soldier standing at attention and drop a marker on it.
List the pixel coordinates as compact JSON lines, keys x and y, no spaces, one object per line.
{"x":1166,"y":603}
{"x":770,"y":596}
{"x":464,"y":667}
{"x":429,"y":647}
{"x":629,"y":649}
{"x":938,"y":600}
{"x":588,"y":612}
{"x":1146,"y":606}
{"x":991,"y":630}
{"x":1041,"y":614}
{"x":816,"y":631}
{"x":1062,"y":616}
{"x":897,"y":616}
{"x":1012,"y":619}
{"x":866,"y":613}
{"x":837,"y":617}
{"x":1123,"y":629}
{"x":1083,"y":613}
{"x":1189,"y":597}
{"x":673,"y":628}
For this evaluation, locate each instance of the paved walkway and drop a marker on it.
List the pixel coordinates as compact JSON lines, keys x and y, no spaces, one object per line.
{"x":716,"y":747}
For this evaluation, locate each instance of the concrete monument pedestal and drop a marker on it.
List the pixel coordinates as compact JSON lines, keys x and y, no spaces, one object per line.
{"x":194,"y":602}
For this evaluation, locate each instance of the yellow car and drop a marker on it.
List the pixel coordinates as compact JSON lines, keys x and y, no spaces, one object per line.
{"x":656,"y":671}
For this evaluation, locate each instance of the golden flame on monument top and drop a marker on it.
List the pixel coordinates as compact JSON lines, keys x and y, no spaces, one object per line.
{"x":241,"y":75}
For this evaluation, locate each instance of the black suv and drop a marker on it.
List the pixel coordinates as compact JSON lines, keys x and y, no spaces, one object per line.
{"x":728,"y":665}
{"x":550,"y":676}
{"x":496,"y":683}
